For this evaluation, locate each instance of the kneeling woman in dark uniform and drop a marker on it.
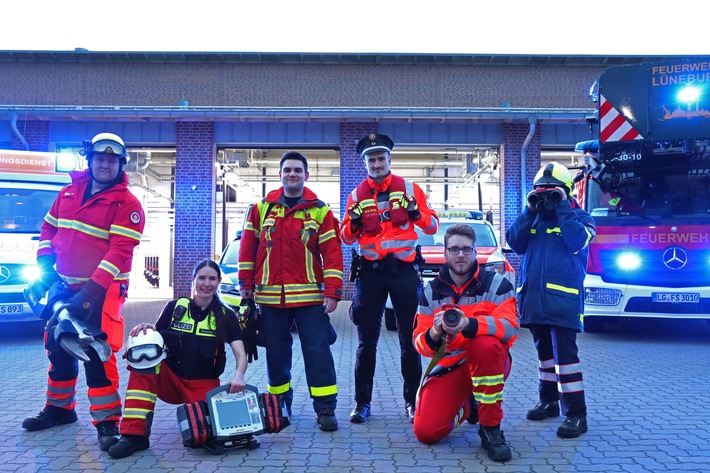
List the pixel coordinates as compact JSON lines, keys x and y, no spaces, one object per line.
{"x":195,"y":332}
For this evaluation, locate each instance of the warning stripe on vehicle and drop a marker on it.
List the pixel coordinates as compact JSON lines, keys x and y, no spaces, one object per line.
{"x":613,"y":125}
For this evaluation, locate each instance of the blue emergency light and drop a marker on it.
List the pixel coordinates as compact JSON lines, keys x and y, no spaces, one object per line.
{"x":628,"y":261}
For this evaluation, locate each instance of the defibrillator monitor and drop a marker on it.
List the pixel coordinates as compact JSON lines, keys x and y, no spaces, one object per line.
{"x":235,"y":415}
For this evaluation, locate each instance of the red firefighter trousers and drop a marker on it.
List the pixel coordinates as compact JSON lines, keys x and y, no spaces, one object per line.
{"x":443,"y":402}
{"x":147,"y":385}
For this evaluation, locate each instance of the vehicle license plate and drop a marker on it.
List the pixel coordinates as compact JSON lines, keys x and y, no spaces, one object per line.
{"x":11,"y":309}
{"x":675,"y":297}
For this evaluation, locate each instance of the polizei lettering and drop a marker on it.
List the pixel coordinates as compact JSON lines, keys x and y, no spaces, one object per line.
{"x":181,"y":325}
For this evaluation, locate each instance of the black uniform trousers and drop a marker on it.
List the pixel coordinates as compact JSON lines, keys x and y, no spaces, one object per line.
{"x":559,"y":344}
{"x":376,"y":280}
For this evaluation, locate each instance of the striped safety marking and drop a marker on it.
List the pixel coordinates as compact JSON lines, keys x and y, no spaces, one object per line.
{"x":613,"y":125}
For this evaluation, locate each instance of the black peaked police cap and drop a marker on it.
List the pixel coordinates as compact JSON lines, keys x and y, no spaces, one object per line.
{"x":374,"y":142}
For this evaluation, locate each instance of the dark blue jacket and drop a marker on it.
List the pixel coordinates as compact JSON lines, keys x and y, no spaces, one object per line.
{"x":551,"y":277}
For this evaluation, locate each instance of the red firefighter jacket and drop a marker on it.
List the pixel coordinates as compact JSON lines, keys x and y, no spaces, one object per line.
{"x":291,"y":257}
{"x":399,"y":240}
{"x":93,"y":240}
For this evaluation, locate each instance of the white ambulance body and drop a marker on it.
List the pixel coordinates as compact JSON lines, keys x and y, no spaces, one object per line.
{"x":29,"y":184}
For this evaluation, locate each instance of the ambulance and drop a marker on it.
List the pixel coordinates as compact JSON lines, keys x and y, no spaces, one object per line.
{"x":29,"y":184}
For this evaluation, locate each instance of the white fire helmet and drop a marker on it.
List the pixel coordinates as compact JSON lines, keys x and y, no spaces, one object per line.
{"x":145,"y":350}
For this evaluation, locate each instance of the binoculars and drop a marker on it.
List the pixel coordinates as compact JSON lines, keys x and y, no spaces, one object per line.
{"x":543,"y":194}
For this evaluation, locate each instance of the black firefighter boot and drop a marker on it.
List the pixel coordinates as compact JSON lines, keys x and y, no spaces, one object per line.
{"x":128,"y":445}
{"x":493,"y":441}
{"x":108,"y":434}
{"x":48,"y":417}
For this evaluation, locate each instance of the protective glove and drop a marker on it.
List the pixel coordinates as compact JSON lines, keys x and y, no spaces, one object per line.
{"x":355,"y":213}
{"x":410,"y":204}
{"x":82,"y":303}
{"x":49,"y":274}
{"x":250,"y":323}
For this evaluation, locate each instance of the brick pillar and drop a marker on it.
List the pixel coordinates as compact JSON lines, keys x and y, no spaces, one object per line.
{"x":195,"y":181}
{"x":514,"y":135}
{"x":352,"y":172}
{"x":35,"y":133}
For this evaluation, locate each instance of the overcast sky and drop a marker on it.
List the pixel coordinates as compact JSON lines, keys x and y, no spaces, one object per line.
{"x":600,"y":27}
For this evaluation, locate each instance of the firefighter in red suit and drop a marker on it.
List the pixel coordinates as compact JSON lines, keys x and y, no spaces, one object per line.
{"x":291,"y":264}
{"x":85,"y":253}
{"x":195,"y":332}
{"x":468,"y":346}
{"x":381,"y":215}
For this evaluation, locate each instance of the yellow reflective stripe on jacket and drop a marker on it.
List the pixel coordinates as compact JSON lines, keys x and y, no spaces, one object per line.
{"x":126,"y":232}
{"x":109,"y":268}
{"x":332,"y":273}
{"x":569,"y":290}
{"x":51,"y":219}
{"x":84,"y":228}
{"x":326,"y":236}
{"x":308,"y":262}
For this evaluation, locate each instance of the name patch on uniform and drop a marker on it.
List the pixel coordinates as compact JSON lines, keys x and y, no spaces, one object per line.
{"x":135,"y":217}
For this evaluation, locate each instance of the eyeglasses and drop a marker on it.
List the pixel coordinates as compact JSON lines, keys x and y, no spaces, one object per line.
{"x":454,"y":250}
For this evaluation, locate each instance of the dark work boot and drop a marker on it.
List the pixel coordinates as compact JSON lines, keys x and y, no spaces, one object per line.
{"x":108,"y":434}
{"x":473,"y":414}
{"x":326,"y":420}
{"x":48,"y":417}
{"x":360,"y":413}
{"x":572,"y":427}
{"x":543,"y":410}
{"x":128,"y":445}
{"x":493,"y":440}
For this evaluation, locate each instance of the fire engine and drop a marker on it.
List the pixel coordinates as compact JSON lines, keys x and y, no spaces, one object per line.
{"x":29,"y":184}
{"x":646,"y":183}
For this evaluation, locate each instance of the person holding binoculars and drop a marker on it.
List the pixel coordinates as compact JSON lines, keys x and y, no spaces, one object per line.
{"x":553,"y":235}
{"x":466,"y":323}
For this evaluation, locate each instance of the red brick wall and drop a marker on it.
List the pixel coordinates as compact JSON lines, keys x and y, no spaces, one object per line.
{"x":352,"y":171}
{"x":512,"y":187}
{"x":195,"y":179}
{"x":35,"y":133}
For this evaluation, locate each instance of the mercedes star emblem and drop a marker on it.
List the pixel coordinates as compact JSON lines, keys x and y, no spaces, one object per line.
{"x":4,"y":274}
{"x":675,"y":257}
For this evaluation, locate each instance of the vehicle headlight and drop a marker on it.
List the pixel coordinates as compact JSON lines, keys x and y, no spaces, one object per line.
{"x":225,"y":288}
{"x":31,"y":272}
{"x":628,"y":261}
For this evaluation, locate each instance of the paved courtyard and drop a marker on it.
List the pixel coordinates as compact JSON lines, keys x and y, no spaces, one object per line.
{"x":647,"y":387}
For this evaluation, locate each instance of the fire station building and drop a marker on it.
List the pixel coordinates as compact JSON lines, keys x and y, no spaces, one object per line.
{"x":205,"y":131}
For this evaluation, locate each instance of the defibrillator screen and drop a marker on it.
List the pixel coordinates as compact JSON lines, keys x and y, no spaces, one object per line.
{"x":233,"y":413}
